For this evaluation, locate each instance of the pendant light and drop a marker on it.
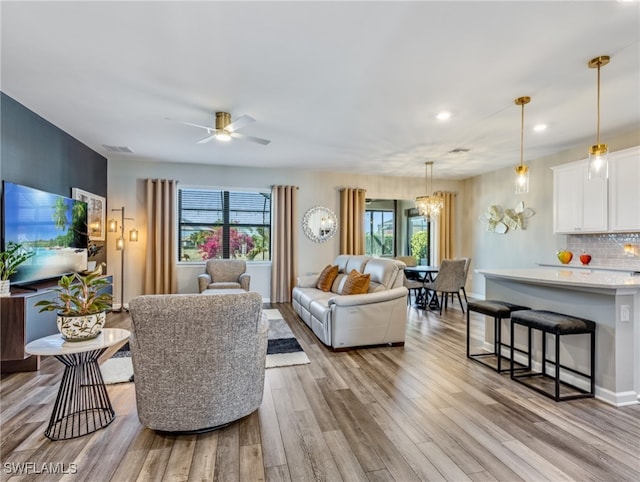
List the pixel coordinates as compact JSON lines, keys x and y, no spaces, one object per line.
{"x":522,"y":171}
{"x":429,"y":205}
{"x":598,"y":153}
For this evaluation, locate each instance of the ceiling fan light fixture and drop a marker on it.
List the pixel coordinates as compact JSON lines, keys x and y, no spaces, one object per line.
{"x":223,"y":136}
{"x":598,"y":153}
{"x":522,"y":171}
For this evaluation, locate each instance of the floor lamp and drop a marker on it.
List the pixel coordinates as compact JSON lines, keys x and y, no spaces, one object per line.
{"x":120,"y":245}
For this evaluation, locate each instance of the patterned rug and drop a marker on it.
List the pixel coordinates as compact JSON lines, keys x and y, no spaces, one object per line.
{"x":283,"y":350}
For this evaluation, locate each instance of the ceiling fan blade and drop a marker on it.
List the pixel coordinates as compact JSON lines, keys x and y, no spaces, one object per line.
{"x":239,"y":123}
{"x":244,"y":137}
{"x":206,"y":139}
{"x":210,"y":129}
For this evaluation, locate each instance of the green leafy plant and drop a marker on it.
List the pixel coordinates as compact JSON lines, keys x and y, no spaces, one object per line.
{"x":79,"y":295}
{"x":419,"y":245}
{"x":11,"y":258}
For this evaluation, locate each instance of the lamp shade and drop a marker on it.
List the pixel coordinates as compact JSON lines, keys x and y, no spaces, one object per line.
{"x":522,"y":179}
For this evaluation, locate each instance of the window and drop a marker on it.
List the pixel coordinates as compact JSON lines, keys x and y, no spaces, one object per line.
{"x":223,"y":224}
{"x":418,"y":236}
{"x":379,"y":232}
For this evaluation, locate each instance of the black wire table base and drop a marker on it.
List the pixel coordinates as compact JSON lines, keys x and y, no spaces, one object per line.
{"x":82,"y":405}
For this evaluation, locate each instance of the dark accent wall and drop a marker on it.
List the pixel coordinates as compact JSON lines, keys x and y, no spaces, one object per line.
{"x":38,"y":154}
{"x":35,"y":153}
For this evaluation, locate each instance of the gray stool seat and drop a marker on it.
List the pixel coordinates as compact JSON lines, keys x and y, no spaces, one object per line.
{"x":557,"y":324}
{"x":499,"y":310}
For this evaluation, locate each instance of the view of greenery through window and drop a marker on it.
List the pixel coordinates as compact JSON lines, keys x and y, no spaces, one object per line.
{"x":418,"y":236}
{"x":224,"y":224}
{"x":379,"y":233}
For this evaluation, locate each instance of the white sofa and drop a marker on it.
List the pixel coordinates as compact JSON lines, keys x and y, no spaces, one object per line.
{"x":344,"y":321}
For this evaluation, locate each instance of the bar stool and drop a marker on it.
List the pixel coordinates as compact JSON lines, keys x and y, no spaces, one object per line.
{"x":558,"y":324}
{"x":499,"y":310}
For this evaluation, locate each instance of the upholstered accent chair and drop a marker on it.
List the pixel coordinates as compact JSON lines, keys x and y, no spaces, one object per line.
{"x":449,"y":281}
{"x":224,"y":274}
{"x":198,"y":361}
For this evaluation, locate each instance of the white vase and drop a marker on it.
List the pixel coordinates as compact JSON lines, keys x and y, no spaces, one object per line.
{"x":5,"y":288}
{"x":81,"y":327}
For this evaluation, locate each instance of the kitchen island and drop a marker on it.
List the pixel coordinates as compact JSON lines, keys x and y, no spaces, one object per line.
{"x":611,"y":299}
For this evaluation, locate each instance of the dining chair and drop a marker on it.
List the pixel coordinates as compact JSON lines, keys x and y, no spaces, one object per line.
{"x":449,"y":280}
{"x":467,"y":263}
{"x":412,"y":280}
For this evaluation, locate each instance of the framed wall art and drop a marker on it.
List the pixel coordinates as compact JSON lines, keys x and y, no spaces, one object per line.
{"x":96,"y":216}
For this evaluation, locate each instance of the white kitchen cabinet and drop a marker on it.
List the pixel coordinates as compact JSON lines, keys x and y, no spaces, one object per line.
{"x":579,"y":205}
{"x":624,"y":190}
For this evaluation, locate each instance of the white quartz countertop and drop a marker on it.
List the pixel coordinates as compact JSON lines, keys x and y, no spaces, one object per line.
{"x":595,"y":267}
{"x":566,"y":277}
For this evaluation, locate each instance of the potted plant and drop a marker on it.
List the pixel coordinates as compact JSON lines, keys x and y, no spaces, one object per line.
{"x":10,"y":259}
{"x":81,"y":305}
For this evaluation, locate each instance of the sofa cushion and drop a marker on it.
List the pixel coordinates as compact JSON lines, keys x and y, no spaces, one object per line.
{"x":383,"y":273}
{"x":338,"y":283}
{"x":356,"y":284}
{"x":327,"y":277}
{"x":305,"y":296}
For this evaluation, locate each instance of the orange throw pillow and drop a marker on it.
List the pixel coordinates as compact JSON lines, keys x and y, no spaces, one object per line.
{"x":327,"y":277}
{"x":356,"y":283}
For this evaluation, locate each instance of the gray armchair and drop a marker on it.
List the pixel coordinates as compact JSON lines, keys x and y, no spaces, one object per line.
{"x":224,"y":274}
{"x":198,"y":361}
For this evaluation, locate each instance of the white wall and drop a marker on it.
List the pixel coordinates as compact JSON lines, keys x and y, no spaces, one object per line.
{"x":126,"y":188}
{"x":521,"y":248}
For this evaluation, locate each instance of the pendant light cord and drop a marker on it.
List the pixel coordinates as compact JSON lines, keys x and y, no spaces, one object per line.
{"x":522,"y":136}
{"x":598,"y":126}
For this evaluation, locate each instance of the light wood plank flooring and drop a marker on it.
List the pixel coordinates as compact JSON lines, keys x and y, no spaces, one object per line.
{"x":418,"y":412}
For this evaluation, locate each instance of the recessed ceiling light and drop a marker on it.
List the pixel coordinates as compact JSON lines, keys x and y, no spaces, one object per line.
{"x":540,"y":127}
{"x":443,"y":115}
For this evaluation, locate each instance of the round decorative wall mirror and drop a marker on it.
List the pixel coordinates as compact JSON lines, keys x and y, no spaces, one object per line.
{"x":319,"y":224}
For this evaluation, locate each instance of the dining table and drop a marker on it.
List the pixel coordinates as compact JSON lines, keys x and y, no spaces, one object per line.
{"x":426,"y":274}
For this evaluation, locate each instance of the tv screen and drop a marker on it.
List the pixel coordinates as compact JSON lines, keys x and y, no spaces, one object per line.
{"x":52,"y":226}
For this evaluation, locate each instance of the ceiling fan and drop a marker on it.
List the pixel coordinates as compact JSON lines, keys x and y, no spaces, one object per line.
{"x":224,"y":129}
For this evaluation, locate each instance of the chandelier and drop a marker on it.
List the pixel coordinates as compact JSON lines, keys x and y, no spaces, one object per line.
{"x":430,"y":205}
{"x":598,"y":161}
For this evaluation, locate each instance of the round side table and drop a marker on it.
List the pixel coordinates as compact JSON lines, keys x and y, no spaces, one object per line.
{"x":82,"y":405}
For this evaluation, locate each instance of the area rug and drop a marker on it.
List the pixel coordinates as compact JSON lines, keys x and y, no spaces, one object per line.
{"x":118,"y":368}
{"x":283,"y":350}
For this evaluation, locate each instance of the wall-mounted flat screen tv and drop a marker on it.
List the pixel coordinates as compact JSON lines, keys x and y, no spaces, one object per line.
{"x":53,"y":226}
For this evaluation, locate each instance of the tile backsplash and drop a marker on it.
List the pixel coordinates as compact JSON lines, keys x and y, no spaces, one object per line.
{"x":618,"y":250}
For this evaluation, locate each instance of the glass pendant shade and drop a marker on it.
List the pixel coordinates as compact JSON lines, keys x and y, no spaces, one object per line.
{"x":429,"y":205}
{"x":598,"y":162}
{"x":113,"y":225}
{"x":133,"y":235}
{"x":120,"y":243}
{"x":522,"y":179}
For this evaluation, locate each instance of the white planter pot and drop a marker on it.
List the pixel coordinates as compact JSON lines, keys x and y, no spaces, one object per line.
{"x":5,"y":288}
{"x":81,"y":327}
